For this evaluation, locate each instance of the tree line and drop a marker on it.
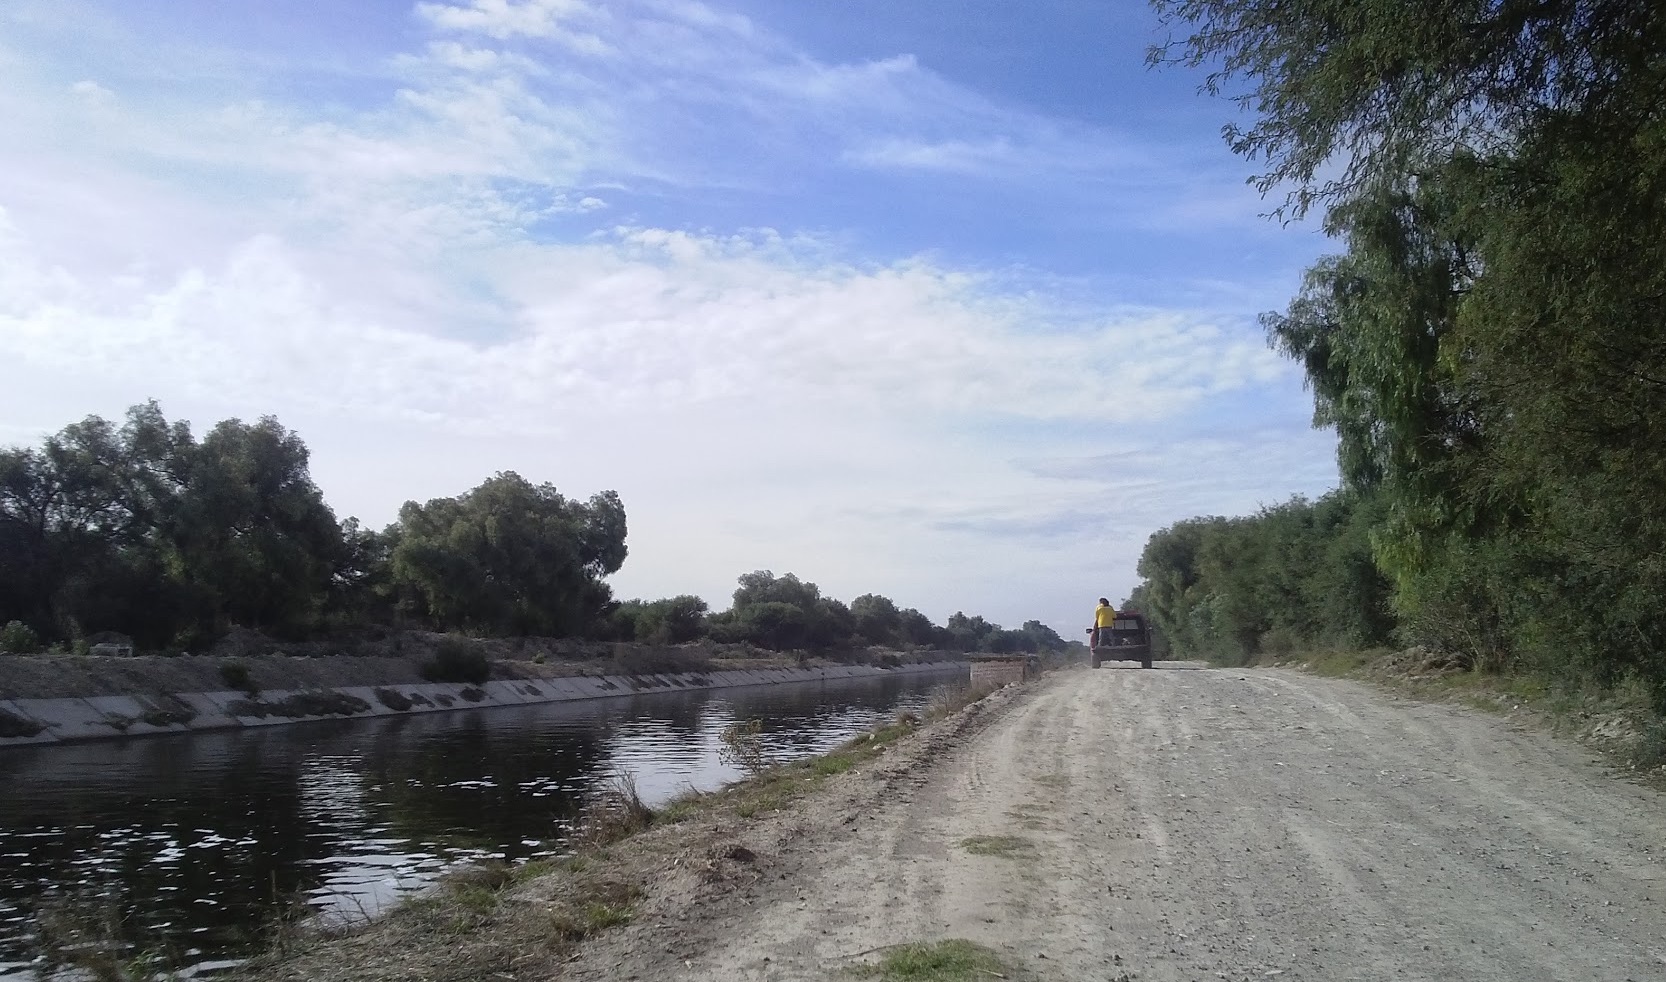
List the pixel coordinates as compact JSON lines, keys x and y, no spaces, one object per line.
{"x":1489,"y":342}
{"x":785,"y":612}
{"x":144,"y":530}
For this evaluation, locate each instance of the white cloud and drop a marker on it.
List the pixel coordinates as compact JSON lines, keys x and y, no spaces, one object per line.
{"x":383,"y":276}
{"x":93,"y":93}
{"x":505,"y":19}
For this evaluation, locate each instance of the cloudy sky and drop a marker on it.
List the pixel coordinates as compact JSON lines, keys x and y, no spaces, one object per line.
{"x":950,"y":300}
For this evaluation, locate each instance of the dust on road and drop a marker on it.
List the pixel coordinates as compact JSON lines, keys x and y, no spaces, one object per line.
{"x":1197,"y":824}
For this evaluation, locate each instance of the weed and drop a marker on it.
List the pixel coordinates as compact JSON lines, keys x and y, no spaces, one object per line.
{"x":947,"y":702}
{"x":321,"y":703}
{"x":393,"y":699}
{"x":996,"y":845}
{"x":615,"y":811}
{"x":235,"y":675}
{"x":743,"y":747}
{"x":762,"y":804}
{"x":831,"y":764}
{"x":954,"y":960}
{"x":457,"y":660}
{"x":599,"y":906}
{"x":18,"y":638}
{"x":680,"y":808}
{"x":162,"y":718}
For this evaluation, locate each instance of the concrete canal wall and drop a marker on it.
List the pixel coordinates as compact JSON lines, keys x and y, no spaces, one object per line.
{"x":46,"y":721}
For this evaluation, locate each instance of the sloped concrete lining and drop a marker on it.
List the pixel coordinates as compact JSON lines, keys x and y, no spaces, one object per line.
{"x":26,"y":722}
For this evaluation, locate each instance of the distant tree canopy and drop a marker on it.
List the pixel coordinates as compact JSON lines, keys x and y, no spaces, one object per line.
{"x":143,"y":530}
{"x":509,"y":557}
{"x":785,"y":613}
{"x":1490,"y":344}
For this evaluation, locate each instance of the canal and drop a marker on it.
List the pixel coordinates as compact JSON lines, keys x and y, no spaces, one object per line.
{"x":187,"y":848}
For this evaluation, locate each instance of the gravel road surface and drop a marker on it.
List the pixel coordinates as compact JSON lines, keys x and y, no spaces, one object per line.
{"x":1197,"y":824}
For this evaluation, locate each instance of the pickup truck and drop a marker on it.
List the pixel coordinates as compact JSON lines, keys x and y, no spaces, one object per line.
{"x":1127,"y":639}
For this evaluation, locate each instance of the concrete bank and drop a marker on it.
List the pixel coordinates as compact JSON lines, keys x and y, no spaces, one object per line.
{"x":45,"y":721}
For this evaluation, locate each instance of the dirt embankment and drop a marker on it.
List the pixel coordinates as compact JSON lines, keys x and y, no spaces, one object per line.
{"x":396,"y":659}
{"x":1122,"y":825}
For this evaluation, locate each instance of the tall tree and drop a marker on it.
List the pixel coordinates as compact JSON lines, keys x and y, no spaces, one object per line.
{"x":511,"y":557}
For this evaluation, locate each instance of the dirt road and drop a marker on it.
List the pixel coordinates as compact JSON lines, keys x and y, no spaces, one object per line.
{"x":1195,"y":824}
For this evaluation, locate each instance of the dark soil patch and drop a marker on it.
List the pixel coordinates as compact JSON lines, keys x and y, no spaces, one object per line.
{"x":393,"y":699}
{"x":472,"y":695}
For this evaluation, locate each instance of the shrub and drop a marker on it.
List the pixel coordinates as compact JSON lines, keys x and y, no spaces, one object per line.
{"x":236,"y":675}
{"x":18,"y":638}
{"x":457,"y":660}
{"x":743,"y":747}
{"x":615,"y":811}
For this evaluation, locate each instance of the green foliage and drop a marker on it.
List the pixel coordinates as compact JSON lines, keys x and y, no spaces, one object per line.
{"x":457,"y":660}
{"x":954,"y":960}
{"x":18,"y":638}
{"x":673,"y":620}
{"x":1490,"y":345}
{"x":235,"y":675}
{"x":510,"y":557}
{"x":1296,"y":575}
{"x":143,"y":530}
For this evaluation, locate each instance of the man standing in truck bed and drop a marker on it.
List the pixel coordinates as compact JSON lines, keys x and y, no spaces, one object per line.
{"x":1103,"y":617}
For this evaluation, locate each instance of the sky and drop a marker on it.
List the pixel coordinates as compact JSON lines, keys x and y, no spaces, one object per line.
{"x":950,"y":300}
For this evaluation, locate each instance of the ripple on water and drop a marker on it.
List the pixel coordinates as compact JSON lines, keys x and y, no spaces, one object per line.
{"x":194,"y":840}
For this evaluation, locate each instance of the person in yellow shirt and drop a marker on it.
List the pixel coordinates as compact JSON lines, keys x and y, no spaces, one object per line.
{"x":1103,"y":616}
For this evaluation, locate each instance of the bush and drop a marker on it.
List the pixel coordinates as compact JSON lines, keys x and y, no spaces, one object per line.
{"x":457,"y":660}
{"x":18,"y":638}
{"x":743,"y":747}
{"x":236,"y":675}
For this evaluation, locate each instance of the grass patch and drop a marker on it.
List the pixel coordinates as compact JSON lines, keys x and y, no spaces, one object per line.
{"x":1338,"y":664}
{"x":1053,"y":781}
{"x":598,"y":906}
{"x":996,"y":845}
{"x":954,"y":960}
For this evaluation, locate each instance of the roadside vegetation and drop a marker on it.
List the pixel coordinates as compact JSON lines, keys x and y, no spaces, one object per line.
{"x":1488,"y":342}
{"x":141,"y":534}
{"x":954,"y":960}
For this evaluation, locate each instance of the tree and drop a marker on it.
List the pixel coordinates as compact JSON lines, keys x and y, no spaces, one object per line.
{"x":251,"y":532}
{"x":510,"y":557}
{"x":1491,"y":345}
{"x":673,"y":620}
{"x":876,"y":618}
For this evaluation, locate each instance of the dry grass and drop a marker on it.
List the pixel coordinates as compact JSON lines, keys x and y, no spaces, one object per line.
{"x":950,"y":701}
{"x":615,"y":811}
{"x":743,"y":747}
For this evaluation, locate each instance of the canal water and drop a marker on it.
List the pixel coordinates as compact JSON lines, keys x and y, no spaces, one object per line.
{"x":187,"y":847}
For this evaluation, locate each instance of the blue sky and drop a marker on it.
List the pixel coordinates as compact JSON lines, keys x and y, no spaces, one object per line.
{"x":953,"y":302}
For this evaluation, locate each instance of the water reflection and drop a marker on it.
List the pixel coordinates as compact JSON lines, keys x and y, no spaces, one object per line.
{"x":194,"y":842}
